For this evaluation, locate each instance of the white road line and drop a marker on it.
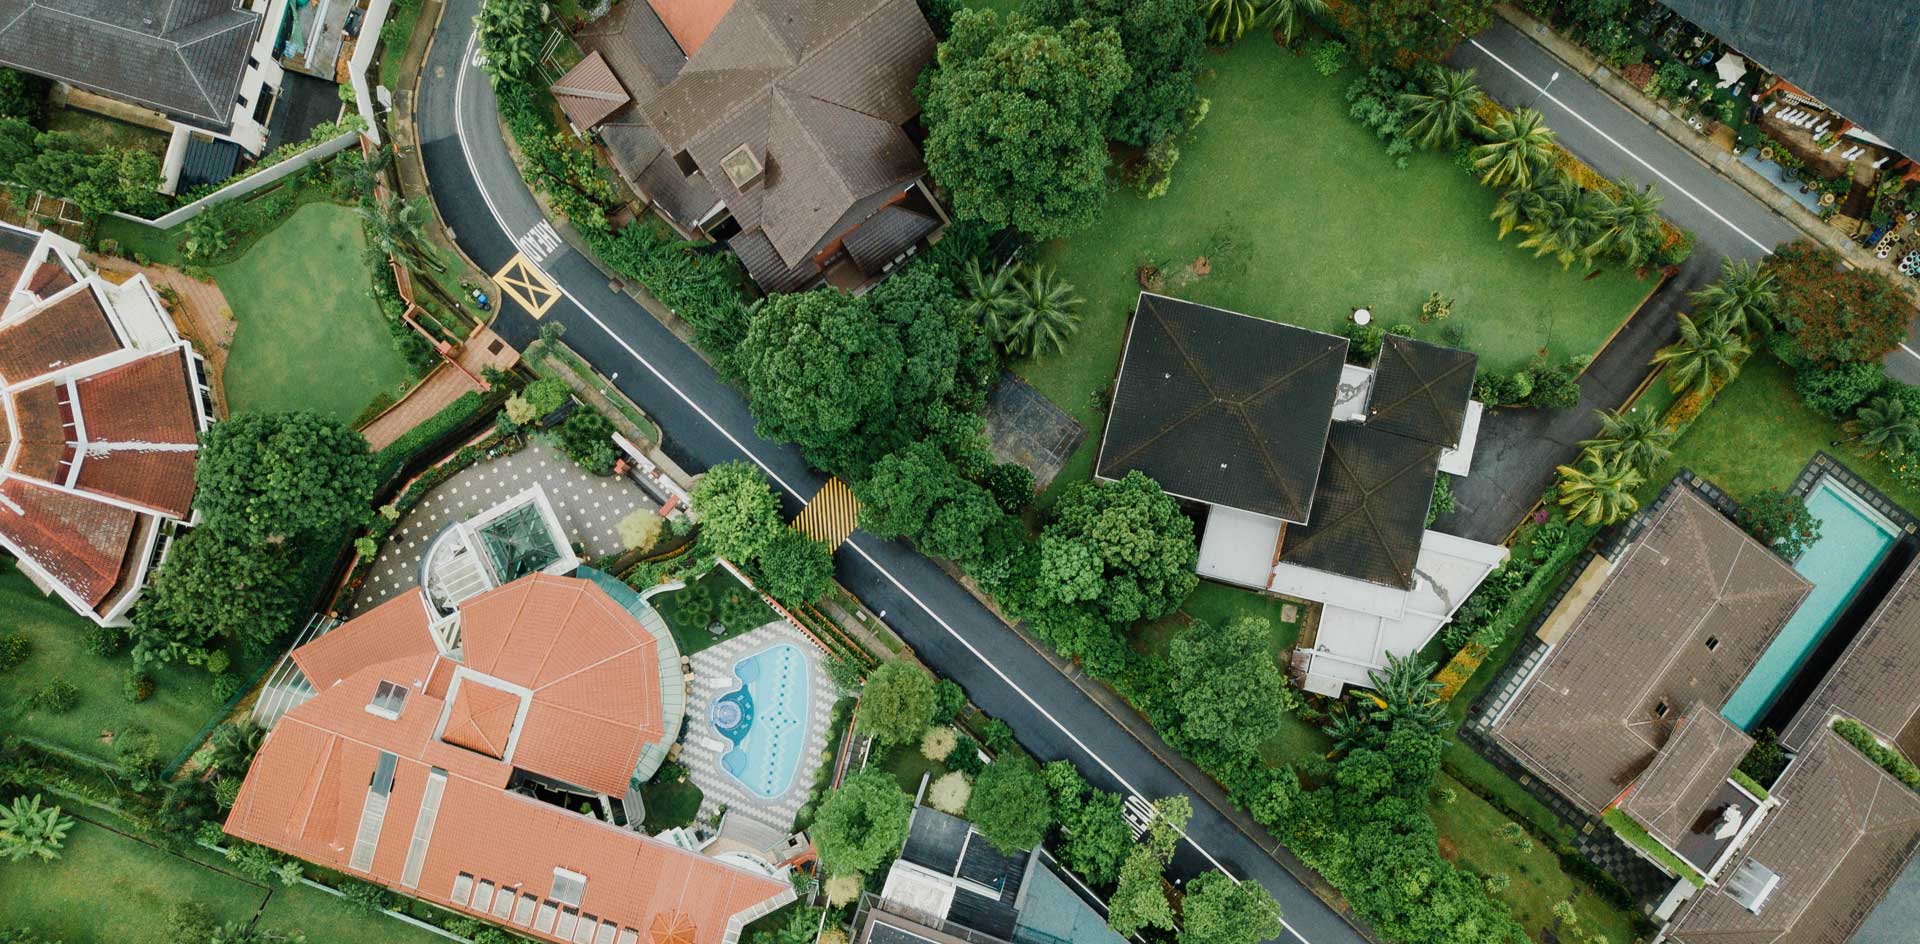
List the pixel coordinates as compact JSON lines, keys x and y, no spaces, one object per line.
{"x":460,"y":129}
{"x":1542,"y":91}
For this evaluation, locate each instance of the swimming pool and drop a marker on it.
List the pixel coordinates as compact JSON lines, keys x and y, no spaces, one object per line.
{"x":1853,"y":539}
{"x":765,"y":719}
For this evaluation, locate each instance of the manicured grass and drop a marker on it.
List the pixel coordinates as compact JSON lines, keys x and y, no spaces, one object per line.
{"x":693,"y":637}
{"x":670,"y":803}
{"x":323,"y":917}
{"x":907,"y":764}
{"x":107,"y":886}
{"x":1637,"y":836}
{"x":1757,"y":434}
{"x":1302,"y":217}
{"x":101,"y":131}
{"x":1468,"y":767}
{"x":301,"y":299}
{"x":182,"y":701}
{"x":1470,"y":837}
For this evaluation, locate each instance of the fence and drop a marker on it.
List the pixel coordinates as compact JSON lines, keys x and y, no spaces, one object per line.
{"x":251,"y":183}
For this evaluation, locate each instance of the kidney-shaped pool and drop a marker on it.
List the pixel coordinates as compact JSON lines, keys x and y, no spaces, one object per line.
{"x":765,"y":719}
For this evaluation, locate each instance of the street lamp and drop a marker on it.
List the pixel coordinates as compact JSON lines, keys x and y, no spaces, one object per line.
{"x":1555,"y":77}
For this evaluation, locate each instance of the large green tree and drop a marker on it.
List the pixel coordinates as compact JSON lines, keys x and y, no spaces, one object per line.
{"x":1224,"y":680}
{"x":1017,"y":116}
{"x":1094,"y":835}
{"x":795,"y":568}
{"x":1010,"y":805}
{"x":1219,"y":910}
{"x":1162,"y":40}
{"x":1140,"y":900}
{"x":266,"y":477}
{"x":739,"y":514}
{"x":214,"y":588}
{"x":919,"y":494}
{"x":1404,"y":32}
{"x":897,"y":704}
{"x":862,"y":824}
{"x":852,"y":379}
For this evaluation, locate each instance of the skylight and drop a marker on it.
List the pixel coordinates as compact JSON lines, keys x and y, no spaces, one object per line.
{"x":387,"y":701}
{"x":568,"y":887}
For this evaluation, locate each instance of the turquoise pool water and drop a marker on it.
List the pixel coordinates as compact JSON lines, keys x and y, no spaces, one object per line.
{"x":765,"y":719}
{"x":1853,"y":538}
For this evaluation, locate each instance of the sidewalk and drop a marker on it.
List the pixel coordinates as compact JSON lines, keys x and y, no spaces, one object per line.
{"x":1700,"y":146}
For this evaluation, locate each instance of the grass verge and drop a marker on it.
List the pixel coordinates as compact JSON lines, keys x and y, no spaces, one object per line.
{"x":1637,"y":836}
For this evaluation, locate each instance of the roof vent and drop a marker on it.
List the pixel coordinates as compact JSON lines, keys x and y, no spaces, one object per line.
{"x":1751,"y":884}
{"x":742,"y":167}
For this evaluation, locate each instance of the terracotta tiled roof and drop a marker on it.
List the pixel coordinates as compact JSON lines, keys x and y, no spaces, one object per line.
{"x":49,"y":278}
{"x":1842,"y":834}
{"x":1685,"y":613}
{"x":145,"y":401}
{"x":308,"y":786}
{"x":589,"y":92}
{"x":80,"y":542}
{"x":691,"y":21}
{"x":40,"y":428}
{"x":1874,"y":681}
{"x":16,"y":251}
{"x":61,"y":334}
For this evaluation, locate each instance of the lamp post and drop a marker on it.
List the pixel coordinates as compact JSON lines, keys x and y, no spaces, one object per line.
{"x":1555,"y":77}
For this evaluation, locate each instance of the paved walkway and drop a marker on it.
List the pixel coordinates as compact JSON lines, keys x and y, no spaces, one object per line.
{"x":590,"y":508}
{"x":752,"y":819}
{"x":443,"y":385}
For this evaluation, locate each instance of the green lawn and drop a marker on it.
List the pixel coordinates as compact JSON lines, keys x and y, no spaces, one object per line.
{"x":1757,"y":434}
{"x":907,"y":764}
{"x":1301,"y":217}
{"x":107,"y":886}
{"x":101,"y":131}
{"x":1470,"y":837}
{"x":670,"y":803}
{"x":301,"y":299}
{"x":325,"y":918}
{"x":693,"y":636}
{"x":182,"y":700}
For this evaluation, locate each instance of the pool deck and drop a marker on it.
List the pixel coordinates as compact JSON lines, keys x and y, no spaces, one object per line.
{"x":752,"y":819}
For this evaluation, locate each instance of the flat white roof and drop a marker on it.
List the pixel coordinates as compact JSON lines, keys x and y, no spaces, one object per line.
{"x":1458,"y":460}
{"x":1237,"y":546}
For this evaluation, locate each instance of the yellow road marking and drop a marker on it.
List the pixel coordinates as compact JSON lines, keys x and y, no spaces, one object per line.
{"x":831,"y":516}
{"x":529,"y":287}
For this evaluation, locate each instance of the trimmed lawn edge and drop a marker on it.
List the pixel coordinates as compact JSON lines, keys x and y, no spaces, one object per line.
{"x":1638,"y":837}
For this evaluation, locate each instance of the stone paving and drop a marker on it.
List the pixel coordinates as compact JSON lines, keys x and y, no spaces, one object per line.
{"x":590,"y":508}
{"x":1025,"y":427}
{"x":752,"y":819}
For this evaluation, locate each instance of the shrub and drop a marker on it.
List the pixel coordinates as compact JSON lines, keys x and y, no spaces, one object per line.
{"x":226,"y":685}
{"x":938,"y":743}
{"x":1363,"y":342}
{"x":694,"y":605}
{"x":587,"y":438}
{"x":137,"y":685}
{"x":966,"y":757}
{"x":1780,"y":520}
{"x":1836,"y":390}
{"x":950,"y":793}
{"x":189,"y":921}
{"x":107,"y":641}
{"x":640,"y":529}
{"x":366,"y":897}
{"x":948,"y":699}
{"x":740,"y":610}
{"x":1443,"y":502}
{"x":14,"y":649}
{"x":1329,"y":57}
{"x":841,"y":890}
{"x":57,"y":696}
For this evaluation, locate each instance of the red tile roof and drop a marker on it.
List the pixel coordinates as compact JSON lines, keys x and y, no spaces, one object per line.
{"x":589,"y":92}
{"x":80,"y":542}
{"x":149,"y":400}
{"x":40,"y":428}
{"x":308,"y":786}
{"x":690,"y":21}
{"x":49,"y":278}
{"x":62,"y":334}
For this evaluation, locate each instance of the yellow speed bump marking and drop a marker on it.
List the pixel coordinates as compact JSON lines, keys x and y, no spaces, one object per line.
{"x":529,"y":287}
{"x":831,"y":516}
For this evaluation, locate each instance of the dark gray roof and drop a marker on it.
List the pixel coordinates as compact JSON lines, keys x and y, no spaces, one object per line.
{"x":208,"y":161}
{"x":1223,"y":408}
{"x":181,"y":57}
{"x":885,"y":235}
{"x":1860,"y":57}
{"x":1686,"y":776}
{"x":766,"y":267}
{"x":1898,"y":914}
{"x":1370,"y":507}
{"x":1421,"y":390}
{"x":1874,"y":680}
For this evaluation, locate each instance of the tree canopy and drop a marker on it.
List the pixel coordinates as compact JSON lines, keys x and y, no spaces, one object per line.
{"x":1836,"y":313}
{"x":1017,"y":116}
{"x":1224,"y":680}
{"x":264,"y":477}
{"x":917,"y":493}
{"x":1162,"y":41}
{"x":739,"y":515}
{"x":862,"y":824}
{"x":795,"y":568}
{"x":897,"y":704}
{"x":1010,"y":805}
{"x":1404,"y":32}
{"x":1093,"y":825}
{"x":1140,"y":899}
{"x":214,"y":588}
{"x":1219,"y":910}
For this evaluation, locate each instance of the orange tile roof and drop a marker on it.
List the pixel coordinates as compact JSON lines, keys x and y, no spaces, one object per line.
{"x":49,"y":278}
{"x":590,"y":92}
{"x":40,"y":420}
{"x":690,"y":21}
{"x":149,"y":400}
{"x":308,"y":785}
{"x":64,"y":333}
{"x":80,"y":542}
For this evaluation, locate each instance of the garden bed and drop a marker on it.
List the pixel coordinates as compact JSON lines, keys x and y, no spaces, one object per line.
{"x":691,"y":634}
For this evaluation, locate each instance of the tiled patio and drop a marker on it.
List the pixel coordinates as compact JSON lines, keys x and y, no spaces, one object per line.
{"x":753,"y":820}
{"x":590,"y":507}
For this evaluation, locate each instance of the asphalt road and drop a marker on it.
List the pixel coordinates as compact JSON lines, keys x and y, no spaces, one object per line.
{"x":484,"y":201}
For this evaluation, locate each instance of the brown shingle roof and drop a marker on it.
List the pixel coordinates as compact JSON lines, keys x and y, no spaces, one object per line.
{"x":141,"y":433}
{"x":1699,"y":755}
{"x":1875,"y":678}
{"x":61,"y":334}
{"x":80,"y":542}
{"x":1587,"y":720}
{"x":1840,"y":838}
{"x":589,"y":92}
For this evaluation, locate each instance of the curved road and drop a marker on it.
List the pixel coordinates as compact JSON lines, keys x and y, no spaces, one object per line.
{"x":486,"y":204}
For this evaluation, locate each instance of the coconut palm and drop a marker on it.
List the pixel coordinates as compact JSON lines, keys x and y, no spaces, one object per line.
{"x":1599,"y":490}
{"x":1520,"y":205}
{"x":1636,"y":436}
{"x":1228,"y":20}
{"x":1289,"y":17}
{"x":1445,"y":111}
{"x":1048,"y":313}
{"x":1569,"y":224}
{"x":991,"y":299}
{"x":1519,"y":145}
{"x":1746,"y":297}
{"x":1707,"y":355}
{"x":1884,"y":425}
{"x":1630,"y":226}
{"x":398,"y":228}
{"x":31,"y":831}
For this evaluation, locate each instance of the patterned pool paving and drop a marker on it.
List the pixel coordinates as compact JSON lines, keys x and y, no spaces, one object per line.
{"x":1853,"y":539}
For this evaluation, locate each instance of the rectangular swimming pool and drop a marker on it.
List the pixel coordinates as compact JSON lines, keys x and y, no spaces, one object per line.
{"x":1853,"y":539}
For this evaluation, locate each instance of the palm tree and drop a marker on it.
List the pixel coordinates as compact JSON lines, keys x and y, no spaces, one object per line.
{"x":1228,"y":20}
{"x":1519,"y":145}
{"x":398,"y":228}
{"x":1745,"y":297}
{"x":1568,"y":225}
{"x":29,"y":830}
{"x":1290,"y":16}
{"x":991,"y":299}
{"x":1410,"y":693}
{"x":1520,"y":205}
{"x":1630,"y":227}
{"x":1884,"y":425}
{"x":1635,"y":436}
{"x":1346,"y":729}
{"x":1598,"y":491}
{"x":1705,"y":357}
{"x":1048,"y":313}
{"x":510,"y":34}
{"x":1445,"y":112}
